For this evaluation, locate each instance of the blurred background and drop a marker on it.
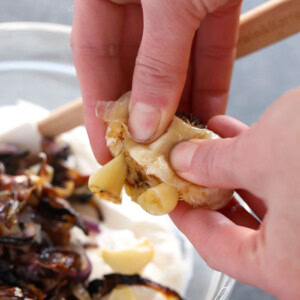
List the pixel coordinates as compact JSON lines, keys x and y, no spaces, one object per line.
{"x":258,"y":79}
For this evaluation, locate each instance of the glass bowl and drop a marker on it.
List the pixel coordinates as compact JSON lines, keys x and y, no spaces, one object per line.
{"x":36,"y":64}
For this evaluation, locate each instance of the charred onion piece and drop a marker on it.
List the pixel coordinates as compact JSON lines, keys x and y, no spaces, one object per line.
{"x":37,"y":260}
{"x":13,"y":158}
{"x":85,"y":269}
{"x":14,"y":193}
{"x":80,"y":292}
{"x":14,"y":293}
{"x":59,"y":208}
{"x":66,"y":262}
{"x":16,"y":241}
{"x":54,"y":151}
{"x":91,"y":225}
{"x":104,"y":287}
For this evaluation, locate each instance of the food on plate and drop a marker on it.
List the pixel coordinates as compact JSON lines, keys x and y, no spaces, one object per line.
{"x":145,"y":170}
{"x":51,"y":226}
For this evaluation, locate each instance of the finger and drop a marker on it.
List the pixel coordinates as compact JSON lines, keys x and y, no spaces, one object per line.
{"x":97,"y":57}
{"x":224,"y":246}
{"x":226,"y":126}
{"x":235,"y":212}
{"x":161,"y":66}
{"x":214,"y":56}
{"x":96,"y":62}
{"x":126,"y":1}
{"x":220,"y":164}
{"x":212,"y":163}
{"x":132,"y":31}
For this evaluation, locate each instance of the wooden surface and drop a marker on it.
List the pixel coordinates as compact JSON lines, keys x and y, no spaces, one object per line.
{"x":267,"y":24}
{"x":62,"y":119}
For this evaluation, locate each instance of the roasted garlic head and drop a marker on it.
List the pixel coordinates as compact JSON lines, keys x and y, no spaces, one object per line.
{"x":148,"y":176}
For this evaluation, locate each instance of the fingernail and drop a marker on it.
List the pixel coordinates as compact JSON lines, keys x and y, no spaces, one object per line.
{"x":182,"y":156}
{"x":144,"y":121}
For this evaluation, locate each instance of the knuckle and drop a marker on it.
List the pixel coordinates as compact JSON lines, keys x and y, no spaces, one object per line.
{"x":109,"y":51}
{"x":152,"y":70}
{"x":84,"y":45}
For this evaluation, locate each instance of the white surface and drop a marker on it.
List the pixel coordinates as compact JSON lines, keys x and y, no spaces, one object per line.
{"x":18,"y":125}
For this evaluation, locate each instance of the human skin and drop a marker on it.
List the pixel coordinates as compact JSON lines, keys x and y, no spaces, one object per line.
{"x":173,"y":54}
{"x":263,"y":163}
{"x":185,"y":61}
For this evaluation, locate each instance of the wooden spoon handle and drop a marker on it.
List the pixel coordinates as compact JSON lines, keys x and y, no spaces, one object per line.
{"x":62,"y":119}
{"x":268,"y":24}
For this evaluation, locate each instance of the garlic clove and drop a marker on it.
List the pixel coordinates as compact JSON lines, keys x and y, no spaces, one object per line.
{"x":131,"y":260}
{"x":159,"y":200}
{"x":107,"y":183}
{"x":121,"y":293}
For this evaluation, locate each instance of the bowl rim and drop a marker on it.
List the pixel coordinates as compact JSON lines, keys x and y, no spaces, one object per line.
{"x":35,"y":26}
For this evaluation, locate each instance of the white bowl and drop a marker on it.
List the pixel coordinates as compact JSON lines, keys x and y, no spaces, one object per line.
{"x":36,"y":64}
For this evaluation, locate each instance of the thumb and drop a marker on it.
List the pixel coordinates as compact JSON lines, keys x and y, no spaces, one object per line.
{"x":161,"y":67}
{"x":212,"y":163}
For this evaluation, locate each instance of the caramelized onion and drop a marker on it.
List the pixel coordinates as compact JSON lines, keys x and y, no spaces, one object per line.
{"x":103,"y":287}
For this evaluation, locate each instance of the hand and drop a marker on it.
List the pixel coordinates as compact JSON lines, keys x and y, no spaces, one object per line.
{"x":162,"y":46}
{"x":263,"y":163}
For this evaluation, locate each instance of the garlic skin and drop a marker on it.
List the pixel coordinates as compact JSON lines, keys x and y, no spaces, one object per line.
{"x":148,"y":164}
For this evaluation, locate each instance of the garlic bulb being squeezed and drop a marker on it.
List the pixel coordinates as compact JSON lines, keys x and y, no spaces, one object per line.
{"x":145,"y":170}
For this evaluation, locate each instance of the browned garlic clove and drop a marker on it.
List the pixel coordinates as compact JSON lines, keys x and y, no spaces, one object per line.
{"x":107,"y":183}
{"x":159,"y":200}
